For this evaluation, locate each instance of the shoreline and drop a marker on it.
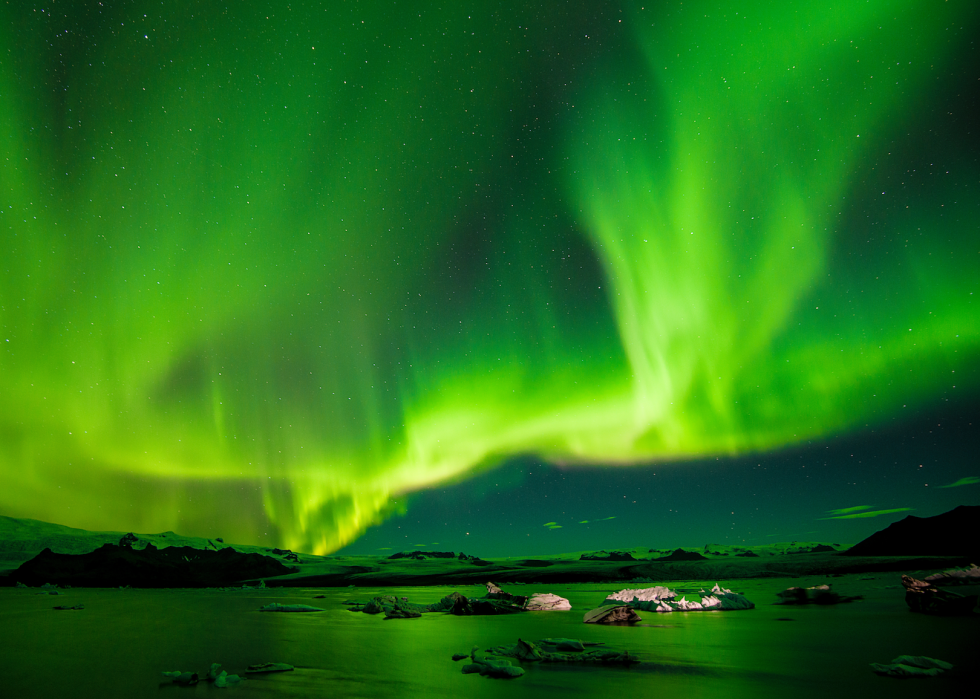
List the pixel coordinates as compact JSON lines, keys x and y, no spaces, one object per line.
{"x":23,"y":540}
{"x":426,"y":573}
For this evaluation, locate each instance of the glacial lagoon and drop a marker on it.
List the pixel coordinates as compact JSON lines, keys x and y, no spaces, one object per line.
{"x":123,"y":639}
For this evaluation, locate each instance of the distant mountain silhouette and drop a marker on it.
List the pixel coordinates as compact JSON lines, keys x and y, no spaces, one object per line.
{"x":174,"y":566}
{"x":682,"y":555}
{"x":952,"y":533}
{"x":607,"y":556}
{"x":417,"y":555}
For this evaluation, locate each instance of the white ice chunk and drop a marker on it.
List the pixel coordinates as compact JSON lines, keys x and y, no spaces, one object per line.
{"x":547,"y":602}
{"x":646,"y":594}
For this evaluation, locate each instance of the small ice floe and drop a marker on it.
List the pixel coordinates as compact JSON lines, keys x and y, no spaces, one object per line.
{"x":909,"y":666}
{"x":819,"y":594}
{"x":215,"y":675}
{"x":547,"y":602}
{"x":222,"y":678}
{"x":183,"y":678}
{"x":567,"y":644}
{"x":276,"y":607}
{"x":563,"y":650}
{"x":956,"y":576}
{"x":497,"y":669}
{"x":922,"y":596}
{"x":397,"y":607}
{"x":538,"y":602}
{"x":611,"y":614}
{"x":268,"y":667}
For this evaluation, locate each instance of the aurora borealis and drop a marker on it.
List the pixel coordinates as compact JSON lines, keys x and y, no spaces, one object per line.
{"x":264,"y":268}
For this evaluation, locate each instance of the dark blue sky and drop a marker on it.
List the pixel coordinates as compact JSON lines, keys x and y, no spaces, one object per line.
{"x":756,"y":499}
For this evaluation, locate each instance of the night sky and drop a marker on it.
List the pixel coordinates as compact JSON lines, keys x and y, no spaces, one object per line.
{"x":832,"y":491}
{"x":294,"y":274}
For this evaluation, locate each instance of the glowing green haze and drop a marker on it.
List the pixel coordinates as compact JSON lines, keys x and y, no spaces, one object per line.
{"x":305,"y":259}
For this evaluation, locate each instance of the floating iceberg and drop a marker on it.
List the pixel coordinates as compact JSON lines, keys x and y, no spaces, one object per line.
{"x":661,"y":599}
{"x":547,"y":602}
{"x":646,"y":594}
{"x":276,"y":607}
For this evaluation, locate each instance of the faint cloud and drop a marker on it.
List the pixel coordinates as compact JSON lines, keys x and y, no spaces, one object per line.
{"x":873,"y":513}
{"x":849,"y":510}
{"x":584,"y":521}
{"x":969,"y":480}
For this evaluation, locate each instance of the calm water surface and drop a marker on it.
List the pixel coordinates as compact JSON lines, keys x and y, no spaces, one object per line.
{"x":123,"y":639}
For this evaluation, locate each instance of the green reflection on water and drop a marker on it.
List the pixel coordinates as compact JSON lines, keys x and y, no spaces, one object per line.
{"x":139,"y":633}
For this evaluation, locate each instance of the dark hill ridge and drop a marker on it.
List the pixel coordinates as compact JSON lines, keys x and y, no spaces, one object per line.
{"x":682,"y":555}
{"x":952,"y":533}
{"x":417,"y":555}
{"x":607,"y":556}
{"x":175,"y":566}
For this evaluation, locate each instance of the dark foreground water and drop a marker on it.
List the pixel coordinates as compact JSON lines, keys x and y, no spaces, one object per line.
{"x":119,"y":644}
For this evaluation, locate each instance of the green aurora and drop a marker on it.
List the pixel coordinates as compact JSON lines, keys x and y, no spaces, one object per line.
{"x":264,"y":269}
